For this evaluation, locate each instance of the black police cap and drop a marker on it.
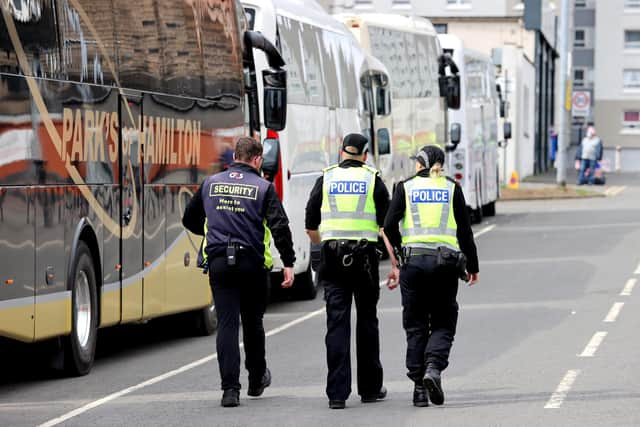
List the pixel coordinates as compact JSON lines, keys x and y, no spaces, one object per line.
{"x":354,"y":144}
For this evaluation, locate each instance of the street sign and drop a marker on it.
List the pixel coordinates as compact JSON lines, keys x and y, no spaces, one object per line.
{"x":581,"y":103}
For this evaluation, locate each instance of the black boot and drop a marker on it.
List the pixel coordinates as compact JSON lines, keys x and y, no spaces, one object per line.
{"x":337,"y":404}
{"x":230,"y":398}
{"x":256,"y":390}
{"x":420,"y":396}
{"x":433,"y":384}
{"x":380,"y":395}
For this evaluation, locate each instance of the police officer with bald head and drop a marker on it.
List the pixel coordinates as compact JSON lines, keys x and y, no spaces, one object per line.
{"x":434,"y":248}
{"x":345,"y":212}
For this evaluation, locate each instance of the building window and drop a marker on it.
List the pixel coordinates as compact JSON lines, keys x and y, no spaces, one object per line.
{"x":631,"y":79}
{"x":631,"y":120}
{"x":580,"y":4}
{"x":579,"y":38}
{"x":441,"y":28}
{"x":632,"y":39}
{"x":578,"y":77}
{"x":632,"y":4}
{"x":456,"y":3}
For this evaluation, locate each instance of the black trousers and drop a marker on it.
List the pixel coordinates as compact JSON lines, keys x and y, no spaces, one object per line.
{"x":429,"y":313}
{"x":341,"y":286}
{"x":239,"y":292}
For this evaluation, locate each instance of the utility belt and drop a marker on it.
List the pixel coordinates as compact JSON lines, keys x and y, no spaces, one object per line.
{"x":445,"y":257}
{"x":348,"y":251}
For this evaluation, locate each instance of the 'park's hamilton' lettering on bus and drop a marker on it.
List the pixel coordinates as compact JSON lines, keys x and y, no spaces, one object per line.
{"x":160,"y":140}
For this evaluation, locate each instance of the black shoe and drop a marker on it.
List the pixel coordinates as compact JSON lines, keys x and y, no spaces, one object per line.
{"x":434,"y":386}
{"x":257,"y":390}
{"x":420,"y":398}
{"x":337,"y":404}
{"x":230,"y":398}
{"x":382,"y":393}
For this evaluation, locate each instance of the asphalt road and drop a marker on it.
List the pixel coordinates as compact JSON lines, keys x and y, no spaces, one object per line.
{"x":533,"y":347}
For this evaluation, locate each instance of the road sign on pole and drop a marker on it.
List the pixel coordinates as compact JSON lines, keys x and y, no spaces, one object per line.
{"x":581,"y":103}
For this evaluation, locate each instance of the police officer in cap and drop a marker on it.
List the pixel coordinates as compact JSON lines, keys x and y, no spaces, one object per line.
{"x":345,"y":211}
{"x":435,"y":247}
{"x":242,"y":210}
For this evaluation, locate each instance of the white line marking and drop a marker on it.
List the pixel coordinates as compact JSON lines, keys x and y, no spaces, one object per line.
{"x":628,"y":287}
{"x":609,"y":191}
{"x":167,"y":375}
{"x":618,"y":190}
{"x":558,"y":396}
{"x":485,"y":230}
{"x":593,"y":345}
{"x":614,"y":312}
{"x":637,"y":270}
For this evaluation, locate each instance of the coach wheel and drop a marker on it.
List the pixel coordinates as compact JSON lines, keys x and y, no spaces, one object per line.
{"x":305,"y":284}
{"x":206,"y":320}
{"x":80,"y":345}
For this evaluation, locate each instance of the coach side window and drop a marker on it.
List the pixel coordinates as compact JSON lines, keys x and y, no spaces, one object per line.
{"x":291,"y":40}
{"x":222,"y":54}
{"x":34,"y":24}
{"x":87,"y":39}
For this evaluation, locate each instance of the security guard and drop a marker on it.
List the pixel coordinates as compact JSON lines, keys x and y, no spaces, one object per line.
{"x":435,"y":239}
{"x":241,"y":211}
{"x":345,"y":211}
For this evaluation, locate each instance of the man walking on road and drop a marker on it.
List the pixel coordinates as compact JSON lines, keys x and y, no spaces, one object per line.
{"x":241,"y":210}
{"x":345,"y":211}
{"x":435,"y":234}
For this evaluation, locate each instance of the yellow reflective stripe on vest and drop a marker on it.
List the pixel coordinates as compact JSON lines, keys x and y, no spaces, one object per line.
{"x":427,"y":198}
{"x":348,"y":208}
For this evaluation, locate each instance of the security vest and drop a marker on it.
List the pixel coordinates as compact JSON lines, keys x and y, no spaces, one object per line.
{"x":234,"y":205}
{"x":429,"y":221}
{"x":348,"y":210}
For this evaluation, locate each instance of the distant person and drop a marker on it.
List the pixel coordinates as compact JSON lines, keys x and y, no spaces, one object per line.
{"x":553,"y":145}
{"x":588,"y":155}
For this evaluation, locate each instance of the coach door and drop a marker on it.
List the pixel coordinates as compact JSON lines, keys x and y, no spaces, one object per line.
{"x":131,"y":203}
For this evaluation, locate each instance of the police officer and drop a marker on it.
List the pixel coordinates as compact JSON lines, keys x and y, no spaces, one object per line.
{"x":345,"y":211}
{"x":435,"y":233}
{"x":241,"y":211}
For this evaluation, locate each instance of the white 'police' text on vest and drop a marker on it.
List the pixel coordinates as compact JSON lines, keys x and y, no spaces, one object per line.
{"x":429,"y":195}
{"x":347,"y":187}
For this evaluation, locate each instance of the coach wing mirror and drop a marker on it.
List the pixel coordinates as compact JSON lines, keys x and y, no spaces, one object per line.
{"x":506,"y":130}
{"x":455,"y":135}
{"x":383,"y":101}
{"x":384,"y":141}
{"x":275,"y":98}
{"x":271,"y":158}
{"x":503,"y":109}
{"x":450,"y":90}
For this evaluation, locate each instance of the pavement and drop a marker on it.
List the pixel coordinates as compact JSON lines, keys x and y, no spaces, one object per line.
{"x":548,"y":337}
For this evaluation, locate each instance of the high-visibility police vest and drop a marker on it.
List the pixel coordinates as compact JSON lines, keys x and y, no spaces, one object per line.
{"x":348,"y":210}
{"x":429,"y":221}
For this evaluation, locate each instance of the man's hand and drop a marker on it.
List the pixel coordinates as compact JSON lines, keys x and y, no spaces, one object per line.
{"x":393,"y":278}
{"x":288,"y":277}
{"x":473,"y":279}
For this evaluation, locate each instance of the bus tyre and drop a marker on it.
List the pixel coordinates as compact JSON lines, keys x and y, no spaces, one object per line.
{"x":206,"y":320}
{"x":305,"y":284}
{"x":80,"y":345}
{"x":489,"y":209}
